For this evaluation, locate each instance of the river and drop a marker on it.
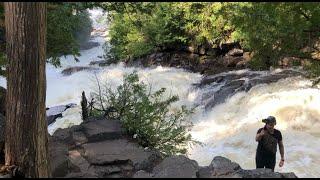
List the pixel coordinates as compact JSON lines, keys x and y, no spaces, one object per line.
{"x":225,"y":129}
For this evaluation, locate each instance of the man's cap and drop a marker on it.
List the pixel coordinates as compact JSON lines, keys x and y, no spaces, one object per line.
{"x":269,"y":119}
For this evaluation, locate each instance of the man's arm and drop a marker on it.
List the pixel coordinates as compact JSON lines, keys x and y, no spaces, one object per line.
{"x":281,"y":148}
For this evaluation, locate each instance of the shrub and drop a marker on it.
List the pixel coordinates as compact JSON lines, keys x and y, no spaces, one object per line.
{"x":146,"y":115}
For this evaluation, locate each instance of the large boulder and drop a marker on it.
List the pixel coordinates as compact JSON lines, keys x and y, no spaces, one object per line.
{"x":231,"y":61}
{"x":176,"y":167}
{"x":59,"y":162}
{"x":98,"y":130}
{"x":119,"y":151}
{"x":223,"y":166}
{"x":220,"y":167}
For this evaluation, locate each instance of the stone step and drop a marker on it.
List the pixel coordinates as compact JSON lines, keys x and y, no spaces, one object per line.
{"x":101,"y":130}
{"x":116,"y":152}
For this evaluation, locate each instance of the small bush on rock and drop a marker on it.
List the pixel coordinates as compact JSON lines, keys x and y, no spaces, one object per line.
{"x":145,"y":115}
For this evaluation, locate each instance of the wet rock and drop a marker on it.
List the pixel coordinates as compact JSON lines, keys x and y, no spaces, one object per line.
{"x":222,"y":86}
{"x":176,"y":167}
{"x":51,"y":119}
{"x":89,"y":45}
{"x":99,"y":63}
{"x":71,"y":70}
{"x":56,"y":112}
{"x":225,"y":92}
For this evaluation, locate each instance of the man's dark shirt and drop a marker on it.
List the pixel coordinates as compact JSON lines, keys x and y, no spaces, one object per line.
{"x":261,"y":150}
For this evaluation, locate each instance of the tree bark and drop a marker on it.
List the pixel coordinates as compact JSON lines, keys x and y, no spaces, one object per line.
{"x":26,"y":141}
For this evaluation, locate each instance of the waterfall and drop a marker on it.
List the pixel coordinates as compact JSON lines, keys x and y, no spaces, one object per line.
{"x":229,"y":110}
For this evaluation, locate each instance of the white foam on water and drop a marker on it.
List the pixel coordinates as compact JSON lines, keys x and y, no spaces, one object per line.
{"x":229,"y":128}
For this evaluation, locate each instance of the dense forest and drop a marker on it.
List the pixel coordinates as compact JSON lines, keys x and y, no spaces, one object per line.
{"x":270,"y":31}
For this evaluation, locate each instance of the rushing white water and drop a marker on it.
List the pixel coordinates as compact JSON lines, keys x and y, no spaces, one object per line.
{"x":228,"y":129}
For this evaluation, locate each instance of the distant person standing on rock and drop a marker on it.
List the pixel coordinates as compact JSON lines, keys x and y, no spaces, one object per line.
{"x":268,"y":138}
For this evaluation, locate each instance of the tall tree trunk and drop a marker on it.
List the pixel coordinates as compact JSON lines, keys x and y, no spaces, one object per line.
{"x":26,"y":142}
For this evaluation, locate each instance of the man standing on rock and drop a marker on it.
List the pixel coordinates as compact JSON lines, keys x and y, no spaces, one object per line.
{"x":268,"y":138}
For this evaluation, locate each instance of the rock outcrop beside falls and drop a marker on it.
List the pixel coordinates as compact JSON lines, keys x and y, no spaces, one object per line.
{"x":70,"y":70}
{"x":55,"y":112}
{"x":99,"y":148}
{"x":222,"y":86}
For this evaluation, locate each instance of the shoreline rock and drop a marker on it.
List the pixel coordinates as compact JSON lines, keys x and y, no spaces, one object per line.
{"x":55,"y":112}
{"x":114,"y":155}
{"x":71,"y":70}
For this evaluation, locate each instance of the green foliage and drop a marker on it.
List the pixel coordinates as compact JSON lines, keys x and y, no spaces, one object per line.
{"x":146,"y":115}
{"x":135,"y":31}
{"x":257,"y":64}
{"x":271,"y":31}
{"x":313,"y":69}
{"x":141,"y":28}
{"x":66,"y":31}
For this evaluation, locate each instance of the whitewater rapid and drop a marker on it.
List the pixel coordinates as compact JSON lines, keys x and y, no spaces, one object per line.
{"x":228,"y":129}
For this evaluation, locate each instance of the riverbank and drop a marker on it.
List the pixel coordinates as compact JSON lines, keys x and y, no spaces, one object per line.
{"x":100,"y":148}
